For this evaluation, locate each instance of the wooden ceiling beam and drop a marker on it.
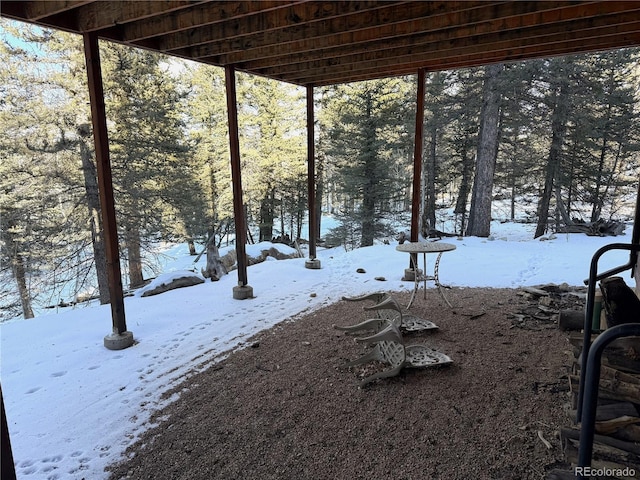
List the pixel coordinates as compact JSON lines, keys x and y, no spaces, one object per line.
{"x":101,"y":15}
{"x":330,"y":75}
{"x":444,"y":46}
{"x":299,"y":17}
{"x":463,"y":58}
{"x":35,"y":11}
{"x":369,"y":20}
{"x":310,"y":42}
{"x":439,"y":28}
{"x":203,"y":15}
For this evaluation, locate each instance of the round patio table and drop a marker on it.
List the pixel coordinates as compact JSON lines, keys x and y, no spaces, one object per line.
{"x":414,"y":248}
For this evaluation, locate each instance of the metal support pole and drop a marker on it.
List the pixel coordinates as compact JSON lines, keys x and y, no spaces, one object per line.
{"x":120,"y":337}
{"x":312,"y":262}
{"x":242,"y":290}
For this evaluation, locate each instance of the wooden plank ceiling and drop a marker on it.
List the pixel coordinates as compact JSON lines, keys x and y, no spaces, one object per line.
{"x":320,"y":43}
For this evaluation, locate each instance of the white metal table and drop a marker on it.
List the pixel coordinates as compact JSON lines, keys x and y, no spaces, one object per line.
{"x":414,"y":248}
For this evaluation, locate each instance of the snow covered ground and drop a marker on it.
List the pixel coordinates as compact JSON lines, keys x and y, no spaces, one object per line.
{"x":74,"y":406}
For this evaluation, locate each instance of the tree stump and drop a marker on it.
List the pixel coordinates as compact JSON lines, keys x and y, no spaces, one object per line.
{"x":215,"y":269}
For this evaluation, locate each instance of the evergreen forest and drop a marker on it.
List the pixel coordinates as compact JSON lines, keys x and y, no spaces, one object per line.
{"x":561,"y":135}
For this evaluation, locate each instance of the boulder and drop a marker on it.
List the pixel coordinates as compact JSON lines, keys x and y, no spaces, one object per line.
{"x":171,"y":281}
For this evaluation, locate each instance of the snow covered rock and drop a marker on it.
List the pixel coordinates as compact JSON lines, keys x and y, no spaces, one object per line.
{"x":171,"y":281}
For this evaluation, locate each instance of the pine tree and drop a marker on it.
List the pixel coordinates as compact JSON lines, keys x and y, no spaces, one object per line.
{"x":43,"y":111}
{"x":209,"y":132}
{"x":367,"y":126}
{"x":560,"y":98}
{"x":148,"y":150}
{"x":612,"y":130}
{"x":482,"y":196}
{"x":437,"y":117}
{"x":464,"y":135}
{"x":523,"y":133}
{"x":274,"y":152}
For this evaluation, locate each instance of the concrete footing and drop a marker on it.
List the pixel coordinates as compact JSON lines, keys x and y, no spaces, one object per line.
{"x":312,"y":264}
{"x":410,"y":274}
{"x":119,"y":341}
{"x":242,"y":292}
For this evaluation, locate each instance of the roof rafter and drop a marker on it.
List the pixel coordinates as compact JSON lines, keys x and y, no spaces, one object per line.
{"x":312,"y":42}
{"x":291,"y":55}
{"x":328,"y":75}
{"x":196,"y":16}
{"x":369,"y":24}
{"x":300,"y":16}
{"x":444,"y":47}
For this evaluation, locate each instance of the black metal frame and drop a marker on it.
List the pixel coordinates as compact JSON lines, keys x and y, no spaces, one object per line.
{"x":592,"y":380}
{"x":634,"y":248}
{"x":590,"y":364}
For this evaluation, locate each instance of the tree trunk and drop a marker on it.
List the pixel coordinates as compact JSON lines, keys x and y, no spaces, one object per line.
{"x":266,"y":217}
{"x":192,"y":247}
{"x":597,"y":197}
{"x":319,"y":193}
{"x":480,"y":212}
{"x":215,"y":269}
{"x":95,"y":219}
{"x":134,"y":257}
{"x":558,"y":130}
{"x":282,"y":221}
{"x":465,"y":188}
{"x":570,"y":176}
{"x":300,"y":215}
{"x":368,"y":211}
{"x":429,"y":183}
{"x":370,"y":177}
{"x":17,"y":266}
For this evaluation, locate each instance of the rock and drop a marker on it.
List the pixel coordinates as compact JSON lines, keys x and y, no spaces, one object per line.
{"x":164,"y":283}
{"x":270,"y":251}
{"x":535,"y":291}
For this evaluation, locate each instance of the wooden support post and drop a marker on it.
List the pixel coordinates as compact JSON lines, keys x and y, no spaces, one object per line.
{"x":120,"y":337}
{"x":417,"y":172}
{"x":6,"y":461}
{"x":242,"y":290}
{"x":417,"y":157}
{"x":635,"y":239}
{"x":312,"y":262}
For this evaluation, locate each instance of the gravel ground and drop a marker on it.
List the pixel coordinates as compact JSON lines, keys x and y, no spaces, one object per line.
{"x":286,"y":408}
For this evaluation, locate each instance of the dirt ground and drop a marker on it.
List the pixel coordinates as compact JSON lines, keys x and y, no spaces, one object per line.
{"x":286,"y":408}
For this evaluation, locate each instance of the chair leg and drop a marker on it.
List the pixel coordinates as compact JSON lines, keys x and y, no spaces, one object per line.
{"x":386,"y":374}
{"x":390,"y":334}
{"x":368,"y":357}
{"x":372,"y":323}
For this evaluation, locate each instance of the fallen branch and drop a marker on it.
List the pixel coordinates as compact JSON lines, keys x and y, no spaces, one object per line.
{"x":543,"y":440}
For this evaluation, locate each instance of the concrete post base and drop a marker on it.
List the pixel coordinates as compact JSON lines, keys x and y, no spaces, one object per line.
{"x":242,"y":292}
{"x":410,"y":274}
{"x":118,"y":341}
{"x":312,"y":264}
